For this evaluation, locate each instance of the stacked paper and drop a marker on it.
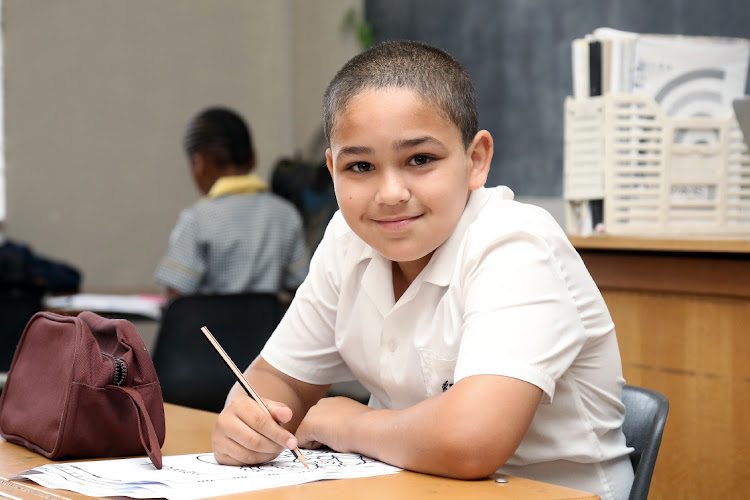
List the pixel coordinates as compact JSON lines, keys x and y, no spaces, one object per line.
{"x":691,"y":76}
{"x":688,"y":76}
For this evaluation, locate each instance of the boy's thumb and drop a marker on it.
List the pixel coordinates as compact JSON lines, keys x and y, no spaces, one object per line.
{"x":279,"y":411}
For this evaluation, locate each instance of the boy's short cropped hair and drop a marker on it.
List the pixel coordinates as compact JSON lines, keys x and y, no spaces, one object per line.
{"x":433,"y":74}
{"x":222,"y":135}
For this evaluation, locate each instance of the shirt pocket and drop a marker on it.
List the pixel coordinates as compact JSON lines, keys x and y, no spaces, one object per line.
{"x":438,"y":373}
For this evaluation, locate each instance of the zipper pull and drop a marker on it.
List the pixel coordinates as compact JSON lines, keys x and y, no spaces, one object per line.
{"x":120,"y":372}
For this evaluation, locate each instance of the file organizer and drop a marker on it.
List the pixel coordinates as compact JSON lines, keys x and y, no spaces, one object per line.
{"x":656,"y":174}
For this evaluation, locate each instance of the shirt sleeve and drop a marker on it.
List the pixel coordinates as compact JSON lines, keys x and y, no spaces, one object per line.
{"x":303,"y":345}
{"x":184,"y":264}
{"x":520,"y":317}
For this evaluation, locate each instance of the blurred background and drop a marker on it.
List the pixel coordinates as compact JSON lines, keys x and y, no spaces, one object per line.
{"x":97,"y":95}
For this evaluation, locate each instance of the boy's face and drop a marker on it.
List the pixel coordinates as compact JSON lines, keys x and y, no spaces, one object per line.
{"x":401,"y":173}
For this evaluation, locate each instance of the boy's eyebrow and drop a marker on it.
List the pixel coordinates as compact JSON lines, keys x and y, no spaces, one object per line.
{"x":397,"y":145}
{"x":410,"y":143}
{"x":354,"y":150}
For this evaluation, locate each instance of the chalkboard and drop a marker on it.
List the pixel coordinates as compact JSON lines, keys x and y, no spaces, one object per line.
{"x":518,"y":53}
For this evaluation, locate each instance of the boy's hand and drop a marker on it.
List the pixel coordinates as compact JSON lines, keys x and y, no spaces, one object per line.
{"x":329,"y":422}
{"x":245,"y":434}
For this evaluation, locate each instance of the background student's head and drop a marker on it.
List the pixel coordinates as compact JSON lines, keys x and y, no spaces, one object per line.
{"x":218,"y":142}
{"x":434,"y":75}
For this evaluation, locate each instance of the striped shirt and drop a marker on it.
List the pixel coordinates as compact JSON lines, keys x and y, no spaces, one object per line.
{"x":233,"y":242}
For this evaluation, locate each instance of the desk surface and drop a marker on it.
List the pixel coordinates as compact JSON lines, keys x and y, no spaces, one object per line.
{"x":189,"y":431}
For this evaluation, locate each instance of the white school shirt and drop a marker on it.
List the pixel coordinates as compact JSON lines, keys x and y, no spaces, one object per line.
{"x":506,"y":294}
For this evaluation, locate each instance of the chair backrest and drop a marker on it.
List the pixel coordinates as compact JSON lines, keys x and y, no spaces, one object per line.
{"x":191,"y":372}
{"x":645,"y":414}
{"x":16,"y":309}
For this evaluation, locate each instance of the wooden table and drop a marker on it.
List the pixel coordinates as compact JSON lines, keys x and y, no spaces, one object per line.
{"x":681,"y":309}
{"x":189,"y":431}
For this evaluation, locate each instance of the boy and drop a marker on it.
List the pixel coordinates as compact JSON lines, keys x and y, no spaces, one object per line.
{"x":469,"y":317}
{"x":240,"y":237}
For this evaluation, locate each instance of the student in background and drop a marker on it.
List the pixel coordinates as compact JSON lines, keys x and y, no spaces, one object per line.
{"x":239,"y":237}
{"x":469,"y":317}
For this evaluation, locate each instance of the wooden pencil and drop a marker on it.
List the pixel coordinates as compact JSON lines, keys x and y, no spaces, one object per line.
{"x":245,"y":384}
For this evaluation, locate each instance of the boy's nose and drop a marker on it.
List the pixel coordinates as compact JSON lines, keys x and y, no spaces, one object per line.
{"x":392,"y":189}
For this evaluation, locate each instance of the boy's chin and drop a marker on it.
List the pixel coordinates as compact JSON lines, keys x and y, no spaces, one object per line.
{"x":405,"y":257}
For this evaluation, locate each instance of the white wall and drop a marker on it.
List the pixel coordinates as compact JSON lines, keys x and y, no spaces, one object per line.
{"x":97,"y":96}
{"x":321,"y":48}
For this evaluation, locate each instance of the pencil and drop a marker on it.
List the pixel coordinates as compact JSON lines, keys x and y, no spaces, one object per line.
{"x":245,"y":384}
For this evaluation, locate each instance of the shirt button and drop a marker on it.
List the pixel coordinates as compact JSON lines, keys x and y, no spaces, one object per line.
{"x":392,"y":346}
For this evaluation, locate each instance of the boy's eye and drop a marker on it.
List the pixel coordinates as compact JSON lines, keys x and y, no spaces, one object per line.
{"x":361,"y":166}
{"x":417,"y":160}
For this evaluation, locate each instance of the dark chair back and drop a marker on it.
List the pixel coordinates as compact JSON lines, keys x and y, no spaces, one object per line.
{"x":645,"y":415}
{"x":17,"y":306}
{"x":190,"y":370}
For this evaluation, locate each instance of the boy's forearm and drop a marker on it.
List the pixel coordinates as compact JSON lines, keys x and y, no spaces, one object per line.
{"x":415,"y":440}
{"x":454,"y":434}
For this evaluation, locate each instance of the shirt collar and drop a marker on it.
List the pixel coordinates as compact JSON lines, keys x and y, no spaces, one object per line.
{"x":443,"y":262}
{"x":237,"y":184}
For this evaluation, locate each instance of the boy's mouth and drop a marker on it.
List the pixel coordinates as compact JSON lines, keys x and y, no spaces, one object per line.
{"x":396,"y":223}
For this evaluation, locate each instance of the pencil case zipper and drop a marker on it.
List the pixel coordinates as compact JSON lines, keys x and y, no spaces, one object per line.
{"x":120,"y":369}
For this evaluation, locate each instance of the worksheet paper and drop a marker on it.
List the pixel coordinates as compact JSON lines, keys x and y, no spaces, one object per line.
{"x":188,"y":477}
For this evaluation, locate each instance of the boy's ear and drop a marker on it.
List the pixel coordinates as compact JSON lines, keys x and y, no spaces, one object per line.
{"x":329,"y":161}
{"x":479,"y":156}
{"x":198,"y":162}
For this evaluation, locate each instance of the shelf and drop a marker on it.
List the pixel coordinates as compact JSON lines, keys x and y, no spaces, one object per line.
{"x":712,"y":244}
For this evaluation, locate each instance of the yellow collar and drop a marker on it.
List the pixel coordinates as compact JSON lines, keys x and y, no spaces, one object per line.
{"x":237,"y":184}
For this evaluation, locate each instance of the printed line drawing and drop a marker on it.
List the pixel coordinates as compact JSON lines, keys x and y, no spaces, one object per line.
{"x":197,"y":476}
{"x":287,"y":463}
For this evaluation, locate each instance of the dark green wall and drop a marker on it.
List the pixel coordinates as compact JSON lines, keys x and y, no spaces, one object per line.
{"x":518,"y":52}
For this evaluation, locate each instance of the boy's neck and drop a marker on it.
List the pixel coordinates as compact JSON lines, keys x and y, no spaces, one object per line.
{"x":234,"y":170}
{"x":404,"y":273}
{"x":400,"y":281}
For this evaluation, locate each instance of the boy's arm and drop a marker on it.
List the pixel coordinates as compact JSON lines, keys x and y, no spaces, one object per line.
{"x":244,"y":434}
{"x":467,"y":432}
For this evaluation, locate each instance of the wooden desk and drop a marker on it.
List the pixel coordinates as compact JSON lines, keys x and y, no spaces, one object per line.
{"x":189,"y":431}
{"x":681,"y":309}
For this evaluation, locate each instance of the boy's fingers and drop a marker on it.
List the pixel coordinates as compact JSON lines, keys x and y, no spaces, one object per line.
{"x":246,"y":434}
{"x":235,"y":443}
{"x":253,"y":416}
{"x":232,"y":453}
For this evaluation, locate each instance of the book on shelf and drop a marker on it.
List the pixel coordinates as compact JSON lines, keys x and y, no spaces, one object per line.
{"x":580,"y":60}
{"x":688,"y":76}
{"x":595,"y":67}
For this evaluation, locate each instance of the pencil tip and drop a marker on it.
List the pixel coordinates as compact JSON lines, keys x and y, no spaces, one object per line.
{"x":302,"y":458}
